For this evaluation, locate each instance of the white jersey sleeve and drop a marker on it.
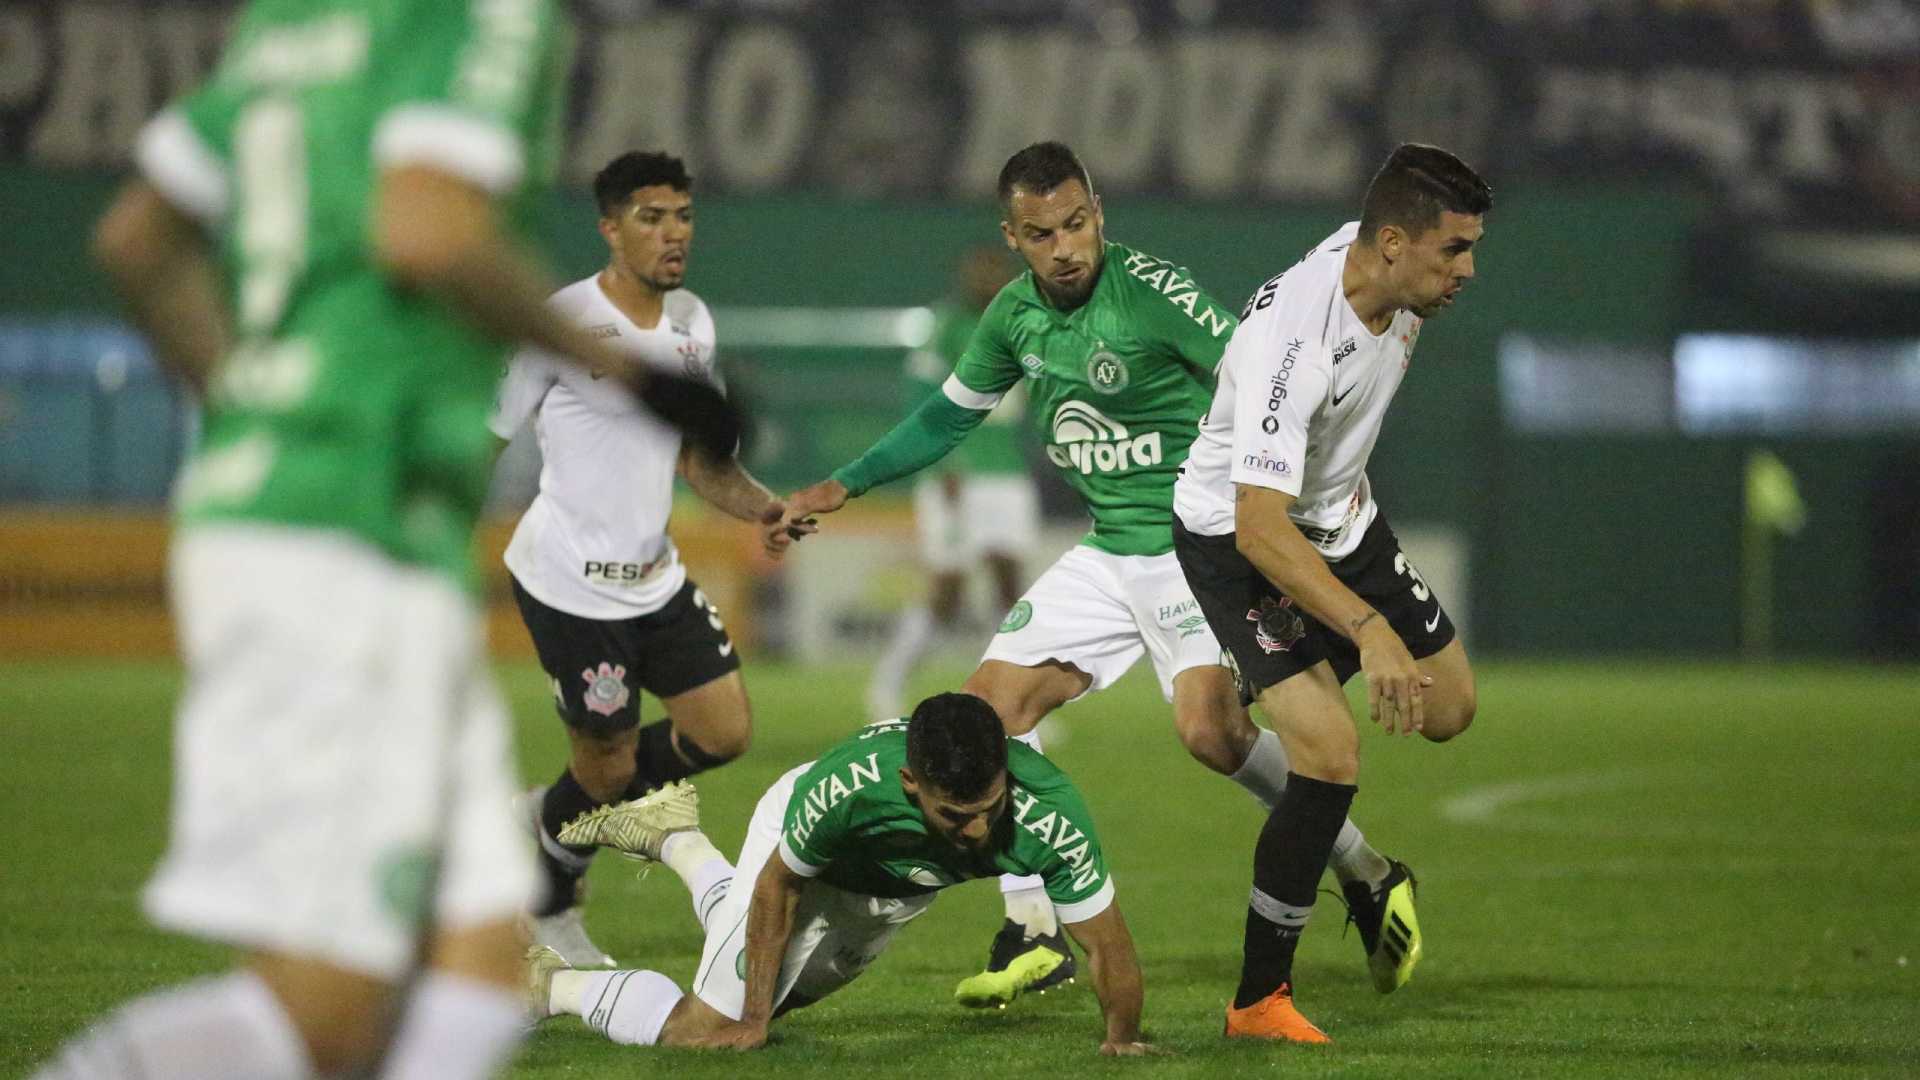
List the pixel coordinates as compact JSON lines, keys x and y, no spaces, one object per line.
{"x":529,"y":376}
{"x":1283,"y":372}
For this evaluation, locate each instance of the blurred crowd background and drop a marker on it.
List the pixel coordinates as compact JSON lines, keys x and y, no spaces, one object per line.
{"x":1677,"y":415}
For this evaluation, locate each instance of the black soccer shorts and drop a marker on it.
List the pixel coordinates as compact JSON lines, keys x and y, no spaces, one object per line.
{"x":599,"y":666}
{"x":1269,"y":639}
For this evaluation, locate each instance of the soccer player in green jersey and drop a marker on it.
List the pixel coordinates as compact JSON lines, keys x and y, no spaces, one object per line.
{"x":842,"y":852}
{"x":322,"y":241}
{"x":982,"y":508}
{"x":1117,"y":350}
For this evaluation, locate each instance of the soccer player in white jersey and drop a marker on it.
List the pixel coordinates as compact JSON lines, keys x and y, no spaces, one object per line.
{"x":1292,"y":562}
{"x":598,"y":581}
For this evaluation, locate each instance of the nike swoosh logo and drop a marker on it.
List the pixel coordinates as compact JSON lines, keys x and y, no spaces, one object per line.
{"x":1338,"y":398}
{"x":1435,"y":620}
{"x":727,"y":649}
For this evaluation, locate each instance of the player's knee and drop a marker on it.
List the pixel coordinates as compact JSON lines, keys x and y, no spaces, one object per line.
{"x":1329,"y":752}
{"x":1212,"y":742}
{"x":603,"y":767}
{"x":1451,"y":719}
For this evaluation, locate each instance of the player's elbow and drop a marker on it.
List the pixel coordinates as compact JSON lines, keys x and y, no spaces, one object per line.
{"x":415,"y":255}
{"x":137,"y":235}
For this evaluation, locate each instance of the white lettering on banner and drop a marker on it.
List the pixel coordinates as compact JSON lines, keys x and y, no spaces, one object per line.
{"x":1125,"y":104}
{"x":641,"y":76}
{"x":1016,"y":84}
{"x":760,"y":105}
{"x":1316,"y":149}
{"x":100,"y":91}
{"x":24,"y":56}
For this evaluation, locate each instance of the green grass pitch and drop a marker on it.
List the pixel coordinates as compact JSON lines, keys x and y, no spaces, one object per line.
{"x":1626,"y":870}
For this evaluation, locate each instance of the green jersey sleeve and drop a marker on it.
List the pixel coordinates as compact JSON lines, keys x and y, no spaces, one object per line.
{"x":1056,"y":840}
{"x":987,"y":367}
{"x":184,"y":153}
{"x":470,"y":87}
{"x":819,"y":824}
{"x":1180,"y":315}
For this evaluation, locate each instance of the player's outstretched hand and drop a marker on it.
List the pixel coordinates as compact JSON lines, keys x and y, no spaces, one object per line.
{"x":775,"y":535}
{"x":732,"y":1035}
{"x":707,"y":420}
{"x":1394,"y":680}
{"x":1130,"y":1049}
{"x":822,"y":498}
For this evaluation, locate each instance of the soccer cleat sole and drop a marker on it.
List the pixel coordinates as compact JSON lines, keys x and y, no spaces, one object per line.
{"x":998,"y":989}
{"x":1400,"y":946}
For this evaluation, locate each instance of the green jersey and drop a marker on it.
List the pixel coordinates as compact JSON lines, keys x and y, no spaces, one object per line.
{"x":851,"y":824}
{"x":1117,"y":385}
{"x":993,"y":449}
{"x":348,"y":403}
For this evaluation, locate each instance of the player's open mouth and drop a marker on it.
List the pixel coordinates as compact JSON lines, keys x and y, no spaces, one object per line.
{"x":1070,"y":274}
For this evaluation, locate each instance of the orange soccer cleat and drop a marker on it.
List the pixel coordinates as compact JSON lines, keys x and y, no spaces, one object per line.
{"x":1273,"y":1017}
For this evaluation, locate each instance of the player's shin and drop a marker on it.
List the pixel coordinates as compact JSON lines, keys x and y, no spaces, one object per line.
{"x":1287,"y":862}
{"x":628,"y":1007}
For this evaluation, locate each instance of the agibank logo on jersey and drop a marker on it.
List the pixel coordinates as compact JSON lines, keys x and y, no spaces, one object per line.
{"x":1087,"y":441}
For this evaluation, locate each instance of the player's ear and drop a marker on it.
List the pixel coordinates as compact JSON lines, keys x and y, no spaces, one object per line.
{"x":907,"y":783}
{"x":1006,"y":233}
{"x":610,"y":232}
{"x":1389,"y":241}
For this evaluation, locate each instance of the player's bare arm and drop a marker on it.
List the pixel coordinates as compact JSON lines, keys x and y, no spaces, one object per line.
{"x":1115,"y":970}
{"x":776,"y":893}
{"x":162,"y":265}
{"x":440,"y":233}
{"x":727,"y":486}
{"x":1275,"y":546}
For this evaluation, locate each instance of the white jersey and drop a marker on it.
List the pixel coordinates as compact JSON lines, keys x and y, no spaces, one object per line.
{"x":594,"y":543}
{"x":1301,"y":393}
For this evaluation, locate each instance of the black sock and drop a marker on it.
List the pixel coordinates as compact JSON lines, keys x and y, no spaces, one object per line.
{"x":565,"y":800}
{"x":657,"y":761}
{"x":1287,"y":863}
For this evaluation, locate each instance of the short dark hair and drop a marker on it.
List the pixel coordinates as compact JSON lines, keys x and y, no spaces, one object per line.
{"x":633,"y":170}
{"x":1041,"y":168}
{"x":955,"y":743}
{"x":1415,"y":185}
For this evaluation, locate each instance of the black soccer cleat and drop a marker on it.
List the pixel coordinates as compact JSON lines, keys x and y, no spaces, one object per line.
{"x":1389,"y":928}
{"x":1018,"y":964}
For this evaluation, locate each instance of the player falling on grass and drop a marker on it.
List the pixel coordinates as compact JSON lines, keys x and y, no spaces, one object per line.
{"x":599,"y":583}
{"x":1117,"y":349}
{"x":841,"y":853}
{"x":983,"y":507}
{"x":323,"y":243}
{"x":1291,"y":560}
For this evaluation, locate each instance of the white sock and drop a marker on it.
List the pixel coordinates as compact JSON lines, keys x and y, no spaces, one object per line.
{"x":1264,"y":772}
{"x":1029,"y":906}
{"x":225,"y":1028}
{"x":886,"y":692}
{"x":629,"y":1007}
{"x":707,"y":873}
{"x":455,"y":1028}
{"x":1354,"y":859}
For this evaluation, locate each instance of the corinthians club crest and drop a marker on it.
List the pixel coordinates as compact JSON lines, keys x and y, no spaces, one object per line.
{"x":606,"y":691}
{"x":1276,"y":626}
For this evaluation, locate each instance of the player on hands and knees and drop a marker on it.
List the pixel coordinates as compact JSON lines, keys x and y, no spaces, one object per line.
{"x":1294,"y":564}
{"x":1117,"y":350}
{"x":841,"y":853}
{"x":982,"y":508}
{"x":598,"y":581}
{"x":321,"y":241}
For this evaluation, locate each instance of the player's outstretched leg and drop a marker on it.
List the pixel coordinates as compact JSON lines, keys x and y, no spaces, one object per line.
{"x":637,"y":828}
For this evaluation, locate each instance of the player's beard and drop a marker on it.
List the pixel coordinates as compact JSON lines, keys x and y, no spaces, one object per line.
{"x":1067,"y":298}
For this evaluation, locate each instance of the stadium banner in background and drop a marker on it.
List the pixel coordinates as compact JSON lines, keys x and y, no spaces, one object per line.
{"x":1788,"y":108}
{"x":93,"y":583}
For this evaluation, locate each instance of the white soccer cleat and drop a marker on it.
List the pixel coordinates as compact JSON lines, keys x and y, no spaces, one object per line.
{"x":639,"y":827}
{"x":542,"y":962}
{"x":565,"y":934}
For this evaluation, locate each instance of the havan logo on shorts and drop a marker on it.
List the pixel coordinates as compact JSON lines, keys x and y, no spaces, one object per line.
{"x":1276,"y":626}
{"x":606,"y":691}
{"x":1087,"y":441}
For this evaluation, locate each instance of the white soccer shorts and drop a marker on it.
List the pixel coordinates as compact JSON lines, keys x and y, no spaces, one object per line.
{"x":1100,"y":612}
{"x":338,"y":731}
{"x":836,"y":934}
{"x":995,"y":515}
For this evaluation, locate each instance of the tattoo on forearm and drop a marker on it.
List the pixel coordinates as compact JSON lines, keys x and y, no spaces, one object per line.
{"x":1354,"y":626}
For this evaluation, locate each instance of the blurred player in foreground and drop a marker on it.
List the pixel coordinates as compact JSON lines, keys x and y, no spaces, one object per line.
{"x":1294,"y":564}
{"x":599,"y":583}
{"x":1117,"y":350}
{"x":981,"y":508}
{"x":841,"y":853}
{"x":322,"y":241}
